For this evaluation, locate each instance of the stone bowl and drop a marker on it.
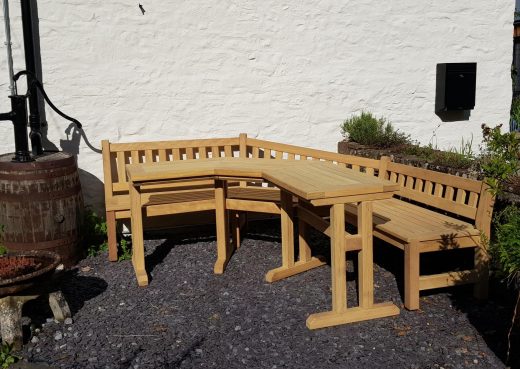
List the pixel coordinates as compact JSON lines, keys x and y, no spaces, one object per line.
{"x":22,"y":269}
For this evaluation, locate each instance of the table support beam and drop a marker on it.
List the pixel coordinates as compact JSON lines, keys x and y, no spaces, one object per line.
{"x":366,"y":310}
{"x":289,"y":266}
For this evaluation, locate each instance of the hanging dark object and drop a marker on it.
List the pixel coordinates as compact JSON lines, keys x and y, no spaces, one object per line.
{"x":18,"y":114}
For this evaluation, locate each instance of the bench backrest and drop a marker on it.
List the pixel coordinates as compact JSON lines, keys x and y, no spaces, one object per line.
{"x":274,"y":150}
{"x":466,"y":197}
{"x":117,"y":155}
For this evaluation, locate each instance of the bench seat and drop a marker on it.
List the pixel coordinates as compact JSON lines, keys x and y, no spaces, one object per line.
{"x":409,"y":223}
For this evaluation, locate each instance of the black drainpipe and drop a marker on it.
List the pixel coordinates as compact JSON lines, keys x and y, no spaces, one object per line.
{"x":28,"y":10}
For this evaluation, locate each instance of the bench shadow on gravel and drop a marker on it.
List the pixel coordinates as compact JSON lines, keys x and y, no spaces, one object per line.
{"x":491,"y":318}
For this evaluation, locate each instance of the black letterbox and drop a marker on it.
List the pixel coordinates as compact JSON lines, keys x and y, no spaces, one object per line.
{"x":455,"y":86}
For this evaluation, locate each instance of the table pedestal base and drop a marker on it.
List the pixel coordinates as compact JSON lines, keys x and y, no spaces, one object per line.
{"x":298,"y":267}
{"x":355,"y":314}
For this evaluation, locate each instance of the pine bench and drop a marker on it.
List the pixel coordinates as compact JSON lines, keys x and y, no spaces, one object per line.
{"x":432,"y":212}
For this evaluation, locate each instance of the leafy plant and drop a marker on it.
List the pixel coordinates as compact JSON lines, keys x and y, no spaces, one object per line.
{"x":506,"y":247}
{"x":366,"y":129}
{"x":94,"y":233}
{"x":499,"y":159}
{"x":96,"y":238}
{"x":7,"y":358}
{"x":506,"y":251}
{"x":125,"y":248}
{"x":464,"y":157}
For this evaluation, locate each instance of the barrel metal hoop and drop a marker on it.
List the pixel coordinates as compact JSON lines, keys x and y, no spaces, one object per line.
{"x":41,"y":245}
{"x":41,"y":196}
{"x":56,"y":173}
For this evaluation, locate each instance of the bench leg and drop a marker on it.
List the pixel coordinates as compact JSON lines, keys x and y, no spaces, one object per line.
{"x":411,"y":276}
{"x":111,"y":234}
{"x":480,"y":289}
{"x":235,"y":228}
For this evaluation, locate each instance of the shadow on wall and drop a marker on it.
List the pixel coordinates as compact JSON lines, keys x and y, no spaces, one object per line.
{"x":92,"y":187}
{"x":453,"y":115}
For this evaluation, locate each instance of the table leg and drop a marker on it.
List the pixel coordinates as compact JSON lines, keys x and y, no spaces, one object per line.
{"x":289,"y":266}
{"x":136,"y":215}
{"x":366,"y":310}
{"x":365,"y":256}
{"x":224,"y":247}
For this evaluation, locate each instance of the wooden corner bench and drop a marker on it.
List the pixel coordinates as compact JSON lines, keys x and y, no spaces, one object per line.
{"x":432,"y":212}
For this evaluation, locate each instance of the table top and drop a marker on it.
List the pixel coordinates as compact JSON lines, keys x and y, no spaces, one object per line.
{"x":308,"y":179}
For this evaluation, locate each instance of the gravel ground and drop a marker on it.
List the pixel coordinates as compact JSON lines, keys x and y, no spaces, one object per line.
{"x":188,"y":317}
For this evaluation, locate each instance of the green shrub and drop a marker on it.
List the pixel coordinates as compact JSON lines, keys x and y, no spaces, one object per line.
{"x":366,"y":129}
{"x":95,"y":237}
{"x":499,"y":159}
{"x":506,"y":245}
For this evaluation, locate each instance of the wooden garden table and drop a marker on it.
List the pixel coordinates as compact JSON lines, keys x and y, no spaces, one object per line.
{"x":316,"y":185}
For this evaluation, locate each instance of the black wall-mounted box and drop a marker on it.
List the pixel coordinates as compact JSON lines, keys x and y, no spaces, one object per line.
{"x":456,"y":84}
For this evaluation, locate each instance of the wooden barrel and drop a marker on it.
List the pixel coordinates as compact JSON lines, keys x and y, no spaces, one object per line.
{"x":41,"y":205}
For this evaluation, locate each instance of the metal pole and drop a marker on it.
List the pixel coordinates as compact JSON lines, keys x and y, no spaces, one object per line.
{"x":30,"y":65}
{"x":8,"y":44}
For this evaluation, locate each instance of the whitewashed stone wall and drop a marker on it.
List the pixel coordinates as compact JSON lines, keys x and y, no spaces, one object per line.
{"x":290,"y":71}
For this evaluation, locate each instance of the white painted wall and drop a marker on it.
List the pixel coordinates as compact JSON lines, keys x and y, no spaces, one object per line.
{"x":289,"y":71}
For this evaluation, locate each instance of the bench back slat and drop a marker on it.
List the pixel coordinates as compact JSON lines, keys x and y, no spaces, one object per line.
{"x":446,"y":192}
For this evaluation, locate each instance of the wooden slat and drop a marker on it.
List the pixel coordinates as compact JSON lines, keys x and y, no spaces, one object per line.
{"x":162,"y":155}
{"x":189,"y":153}
{"x":255,"y":152}
{"x":428,"y":282}
{"x":428,"y":187}
{"x":319,"y":154}
{"x":242,"y":142}
{"x":253,"y":206}
{"x":135,"y":156}
{"x":437,"y":177}
{"x":461,"y":197}
{"x":148,"y":156}
{"x":418,"y":184}
{"x":440,"y":203}
{"x":176,"y":153}
{"x":439,"y":189}
{"x":177,"y":208}
{"x":156,"y":145}
{"x":202,"y":152}
{"x":410,"y":182}
{"x":227,"y":151}
{"x":370,"y":171}
{"x":449,"y":193}
{"x":215,"y":152}
{"x":473,"y":199}
{"x":121,"y":175}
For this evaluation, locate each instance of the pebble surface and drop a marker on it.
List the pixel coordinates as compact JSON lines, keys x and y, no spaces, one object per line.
{"x":188,"y":317}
